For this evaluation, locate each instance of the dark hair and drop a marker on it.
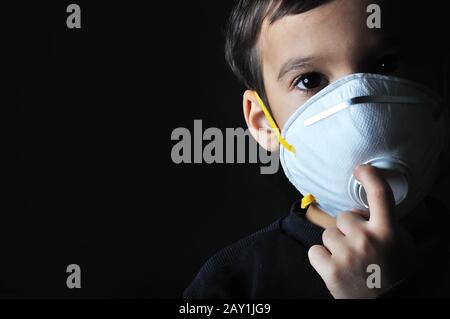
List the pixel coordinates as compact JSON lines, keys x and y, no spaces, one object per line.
{"x":244,"y":28}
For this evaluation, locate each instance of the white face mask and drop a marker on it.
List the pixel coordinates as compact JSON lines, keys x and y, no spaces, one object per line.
{"x":396,"y":125}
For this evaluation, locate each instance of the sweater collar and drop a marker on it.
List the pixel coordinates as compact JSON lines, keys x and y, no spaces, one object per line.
{"x":297,"y":226}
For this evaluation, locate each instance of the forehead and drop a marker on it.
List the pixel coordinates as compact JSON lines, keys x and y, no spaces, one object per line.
{"x":321,"y":31}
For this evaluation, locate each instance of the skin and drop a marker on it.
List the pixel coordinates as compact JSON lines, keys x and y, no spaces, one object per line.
{"x":341,"y":45}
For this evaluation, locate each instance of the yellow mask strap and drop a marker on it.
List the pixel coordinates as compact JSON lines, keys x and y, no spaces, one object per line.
{"x":274,"y":126}
{"x":307,"y":200}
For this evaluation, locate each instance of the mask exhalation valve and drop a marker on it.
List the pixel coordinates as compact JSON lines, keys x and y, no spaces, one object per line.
{"x":395,"y":174}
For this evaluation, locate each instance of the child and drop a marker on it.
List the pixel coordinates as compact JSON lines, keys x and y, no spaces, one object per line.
{"x":359,"y":141}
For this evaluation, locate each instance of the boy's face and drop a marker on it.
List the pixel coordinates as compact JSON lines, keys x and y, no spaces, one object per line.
{"x":301,"y":54}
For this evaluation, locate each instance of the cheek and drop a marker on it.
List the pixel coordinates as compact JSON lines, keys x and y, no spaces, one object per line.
{"x":286,"y":106}
{"x":282,"y":111}
{"x":421,"y":64}
{"x":428,"y":75}
{"x":286,"y":114}
{"x":283,"y":102}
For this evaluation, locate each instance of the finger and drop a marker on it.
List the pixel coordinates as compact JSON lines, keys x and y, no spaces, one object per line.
{"x":379,"y":195}
{"x":320,"y":259}
{"x":350,"y":223}
{"x":361,"y":214}
{"x":334,"y":240}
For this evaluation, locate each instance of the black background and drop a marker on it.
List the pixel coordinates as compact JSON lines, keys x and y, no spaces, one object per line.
{"x":90,"y":178}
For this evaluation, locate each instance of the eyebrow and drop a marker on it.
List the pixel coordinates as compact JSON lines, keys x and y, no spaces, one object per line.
{"x":293,"y":64}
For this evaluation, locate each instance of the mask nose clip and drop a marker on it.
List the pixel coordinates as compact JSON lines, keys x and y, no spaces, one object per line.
{"x":394,"y":172}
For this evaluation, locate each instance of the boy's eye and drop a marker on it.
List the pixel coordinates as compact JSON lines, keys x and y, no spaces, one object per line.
{"x":310,"y":81}
{"x":388,"y":64}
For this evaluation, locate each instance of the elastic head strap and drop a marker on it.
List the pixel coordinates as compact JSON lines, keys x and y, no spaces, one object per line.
{"x":274,"y":125}
{"x":308,"y":199}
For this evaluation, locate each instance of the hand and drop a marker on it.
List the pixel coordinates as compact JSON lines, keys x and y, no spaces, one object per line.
{"x":358,"y":242}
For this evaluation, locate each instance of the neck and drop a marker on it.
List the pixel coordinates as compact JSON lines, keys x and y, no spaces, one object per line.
{"x":319,"y":218}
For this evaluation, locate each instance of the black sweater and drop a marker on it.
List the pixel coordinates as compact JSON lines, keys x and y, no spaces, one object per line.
{"x":273,"y":263}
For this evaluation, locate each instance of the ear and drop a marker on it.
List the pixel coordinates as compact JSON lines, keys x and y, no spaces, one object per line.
{"x":258,"y":124}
